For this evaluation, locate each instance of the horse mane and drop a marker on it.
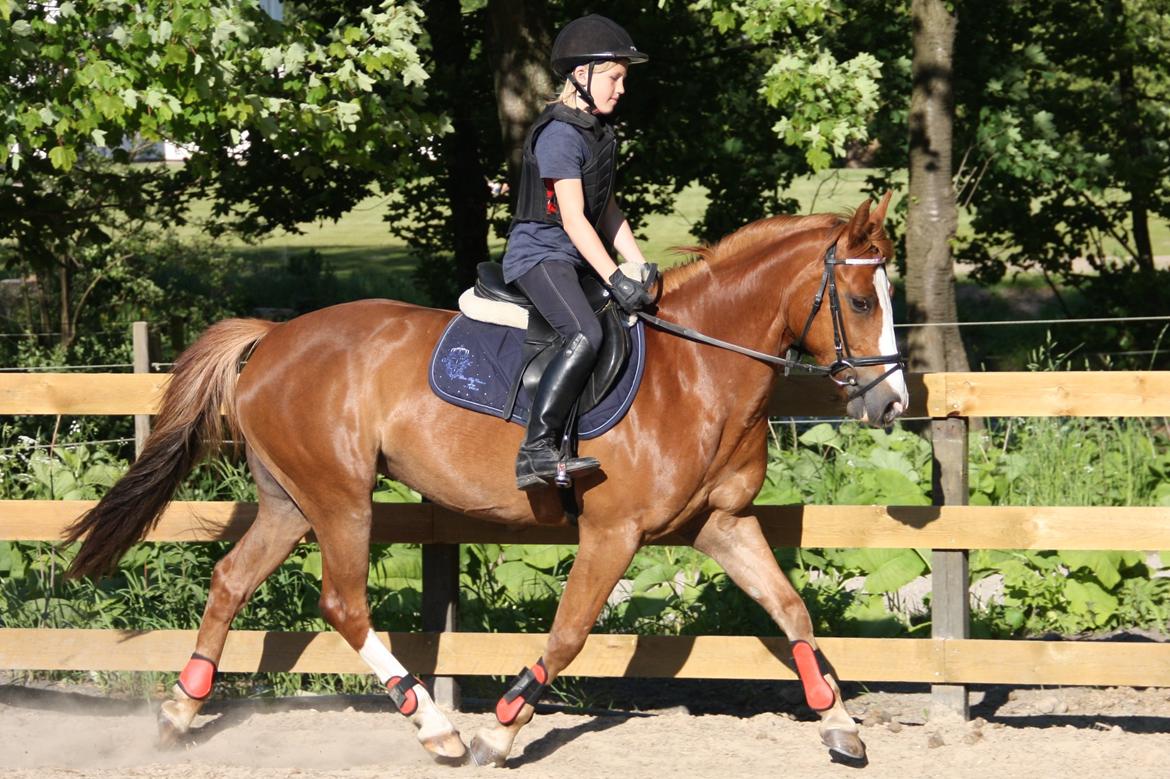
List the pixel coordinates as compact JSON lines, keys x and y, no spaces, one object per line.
{"x":763,"y":232}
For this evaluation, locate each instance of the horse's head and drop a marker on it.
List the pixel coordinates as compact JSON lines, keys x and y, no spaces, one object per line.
{"x":840,"y":311}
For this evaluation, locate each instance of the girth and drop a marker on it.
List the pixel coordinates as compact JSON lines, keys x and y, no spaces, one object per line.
{"x":542,"y":343}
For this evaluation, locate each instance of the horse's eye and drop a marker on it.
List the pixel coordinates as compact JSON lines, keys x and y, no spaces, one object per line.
{"x":860,"y":305}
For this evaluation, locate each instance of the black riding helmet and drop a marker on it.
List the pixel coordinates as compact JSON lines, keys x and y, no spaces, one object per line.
{"x":590,"y":39}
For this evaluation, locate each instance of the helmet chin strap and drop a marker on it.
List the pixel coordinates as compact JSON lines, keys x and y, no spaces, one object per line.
{"x":585,"y":91}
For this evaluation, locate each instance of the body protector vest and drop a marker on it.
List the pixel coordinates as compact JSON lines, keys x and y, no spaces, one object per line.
{"x":536,"y":202}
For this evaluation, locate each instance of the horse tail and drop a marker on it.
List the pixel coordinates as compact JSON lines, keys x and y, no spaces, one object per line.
{"x":188,"y":427}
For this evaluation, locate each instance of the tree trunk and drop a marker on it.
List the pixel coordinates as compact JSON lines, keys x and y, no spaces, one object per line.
{"x":466,"y":181}
{"x":518,"y":49}
{"x":1136,"y":164}
{"x":932,"y":219}
{"x":65,"y":305}
{"x":44,"y":293}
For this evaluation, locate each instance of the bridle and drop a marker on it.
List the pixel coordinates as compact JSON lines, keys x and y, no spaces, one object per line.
{"x":843,"y":369}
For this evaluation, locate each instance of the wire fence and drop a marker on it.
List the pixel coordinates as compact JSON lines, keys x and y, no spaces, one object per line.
{"x":51,"y":368}
{"x":118,"y":330}
{"x":901,"y":325}
{"x":1003,"y":322}
{"x":30,"y":443}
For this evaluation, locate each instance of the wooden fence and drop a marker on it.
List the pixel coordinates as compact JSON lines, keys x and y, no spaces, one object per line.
{"x":948,"y":660}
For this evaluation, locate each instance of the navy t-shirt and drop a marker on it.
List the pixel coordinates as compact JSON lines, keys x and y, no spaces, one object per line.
{"x":561,"y":153}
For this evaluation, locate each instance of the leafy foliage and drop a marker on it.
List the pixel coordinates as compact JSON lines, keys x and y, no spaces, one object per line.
{"x":1061,"y":157}
{"x":1070,"y":462}
{"x":1071,"y":592}
{"x":1068,"y":145}
{"x":284,"y":122}
{"x":848,"y":464}
{"x":822,"y":104}
{"x":739,"y":96}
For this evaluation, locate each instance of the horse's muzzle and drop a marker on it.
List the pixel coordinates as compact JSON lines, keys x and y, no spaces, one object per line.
{"x":882,"y":403}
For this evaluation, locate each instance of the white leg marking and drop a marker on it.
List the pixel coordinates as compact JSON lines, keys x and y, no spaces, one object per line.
{"x":887,"y":343}
{"x":429,"y":720}
{"x":383,"y":663}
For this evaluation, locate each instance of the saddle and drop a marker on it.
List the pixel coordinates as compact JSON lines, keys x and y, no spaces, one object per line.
{"x":542,"y":342}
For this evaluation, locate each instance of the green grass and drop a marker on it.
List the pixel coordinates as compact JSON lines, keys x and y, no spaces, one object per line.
{"x":369,"y":262}
{"x":358,"y":244}
{"x":361,"y":243}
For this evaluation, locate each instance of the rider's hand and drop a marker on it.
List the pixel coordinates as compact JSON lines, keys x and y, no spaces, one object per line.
{"x":629,"y":294}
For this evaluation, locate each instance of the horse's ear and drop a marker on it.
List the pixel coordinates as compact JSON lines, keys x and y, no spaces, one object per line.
{"x":858,"y":228}
{"x":878,"y":217}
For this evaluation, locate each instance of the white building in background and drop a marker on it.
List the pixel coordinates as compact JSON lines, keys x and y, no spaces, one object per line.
{"x":274,"y":8}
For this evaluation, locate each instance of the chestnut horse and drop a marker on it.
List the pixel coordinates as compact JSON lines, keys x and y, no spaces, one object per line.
{"x":330,"y":399}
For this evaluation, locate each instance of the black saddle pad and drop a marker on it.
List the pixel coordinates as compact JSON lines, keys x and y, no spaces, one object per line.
{"x":474,"y":364}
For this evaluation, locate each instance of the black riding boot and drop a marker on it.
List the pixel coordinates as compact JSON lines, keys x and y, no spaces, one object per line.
{"x":563,"y":379}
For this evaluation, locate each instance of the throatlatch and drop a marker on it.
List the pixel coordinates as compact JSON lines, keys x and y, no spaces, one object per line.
{"x":810,"y":666}
{"x":401,"y":689}
{"x":528,"y":686}
{"x":198,"y":677}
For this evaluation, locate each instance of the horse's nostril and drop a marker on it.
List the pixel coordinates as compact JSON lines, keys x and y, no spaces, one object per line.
{"x":892,"y":412}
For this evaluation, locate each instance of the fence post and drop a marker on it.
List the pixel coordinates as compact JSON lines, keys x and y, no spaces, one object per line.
{"x":440,"y":608}
{"x":950,"y":606}
{"x":140,"y":335}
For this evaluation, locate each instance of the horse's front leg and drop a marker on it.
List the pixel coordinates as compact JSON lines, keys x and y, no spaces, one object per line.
{"x":737,"y":543}
{"x":345,"y":564}
{"x":602,"y":557}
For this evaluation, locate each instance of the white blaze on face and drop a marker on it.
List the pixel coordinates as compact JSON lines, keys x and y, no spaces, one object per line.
{"x":887,"y":343}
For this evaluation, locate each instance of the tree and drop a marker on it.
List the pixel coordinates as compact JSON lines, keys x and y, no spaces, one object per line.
{"x":740,"y":96}
{"x":743,"y":97}
{"x":441,"y":208}
{"x":932,"y":219}
{"x":518,"y":43}
{"x":285,"y":122}
{"x":1066,"y":157}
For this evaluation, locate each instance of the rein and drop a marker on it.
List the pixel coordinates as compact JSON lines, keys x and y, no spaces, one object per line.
{"x":842,"y":371}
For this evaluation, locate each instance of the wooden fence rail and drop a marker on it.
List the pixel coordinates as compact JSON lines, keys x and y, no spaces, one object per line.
{"x":933,"y":661}
{"x":937,"y":395}
{"x":875,"y":527}
{"x":949,"y":660}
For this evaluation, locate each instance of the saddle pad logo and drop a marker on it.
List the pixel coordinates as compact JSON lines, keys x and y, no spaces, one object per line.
{"x":457,"y":363}
{"x":473,"y":366}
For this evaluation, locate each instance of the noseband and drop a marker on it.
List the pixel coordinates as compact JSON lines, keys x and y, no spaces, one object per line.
{"x":843,"y":370}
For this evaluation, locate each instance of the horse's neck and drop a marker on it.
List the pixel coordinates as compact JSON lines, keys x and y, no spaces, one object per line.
{"x":741,"y":305}
{"x":732,"y":299}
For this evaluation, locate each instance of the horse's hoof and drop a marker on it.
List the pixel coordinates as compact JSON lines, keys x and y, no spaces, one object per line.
{"x":486,"y":755}
{"x":447,"y":749}
{"x":845,"y":747}
{"x":170,"y":735}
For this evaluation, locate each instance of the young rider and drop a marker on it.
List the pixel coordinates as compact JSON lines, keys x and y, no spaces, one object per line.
{"x":565,"y":219}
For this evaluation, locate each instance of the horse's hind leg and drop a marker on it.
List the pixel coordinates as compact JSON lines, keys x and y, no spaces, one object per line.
{"x":738,"y":544}
{"x":345,"y":563}
{"x":278,"y":527}
{"x":602,"y":557}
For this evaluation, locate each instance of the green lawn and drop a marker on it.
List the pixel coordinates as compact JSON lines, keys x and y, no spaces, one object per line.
{"x":361,"y":244}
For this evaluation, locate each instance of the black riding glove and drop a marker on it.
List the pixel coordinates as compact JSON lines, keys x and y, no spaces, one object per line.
{"x":629,"y":294}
